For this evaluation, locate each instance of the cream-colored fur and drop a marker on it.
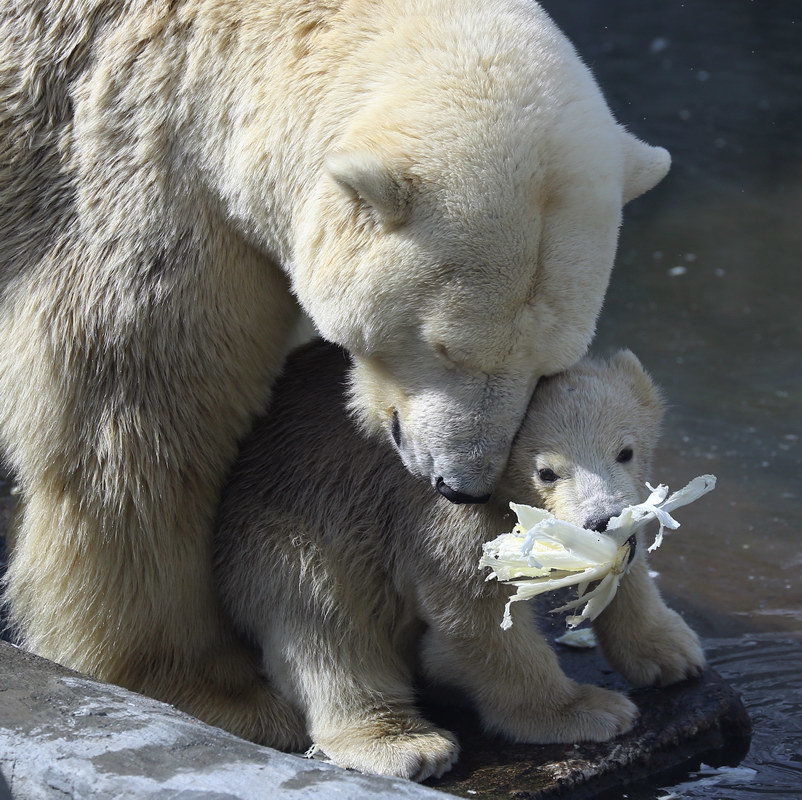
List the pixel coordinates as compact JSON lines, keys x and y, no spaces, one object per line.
{"x":580,"y":423}
{"x":331,"y":555}
{"x":439,"y":186}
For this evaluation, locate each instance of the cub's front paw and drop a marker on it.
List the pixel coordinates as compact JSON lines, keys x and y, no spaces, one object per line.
{"x":663,"y":652}
{"x":411,"y":749}
{"x":586,"y":714}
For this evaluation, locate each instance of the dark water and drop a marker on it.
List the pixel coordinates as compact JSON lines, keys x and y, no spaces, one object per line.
{"x":765,"y":668}
{"x":707,"y":291}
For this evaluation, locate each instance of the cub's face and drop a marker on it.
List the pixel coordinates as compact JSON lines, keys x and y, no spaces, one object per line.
{"x":585,"y":448}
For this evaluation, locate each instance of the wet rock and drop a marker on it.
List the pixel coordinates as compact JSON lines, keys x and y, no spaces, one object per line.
{"x":694,"y":719}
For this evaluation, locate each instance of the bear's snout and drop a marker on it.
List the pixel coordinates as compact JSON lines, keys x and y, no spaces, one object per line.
{"x":598,"y":524}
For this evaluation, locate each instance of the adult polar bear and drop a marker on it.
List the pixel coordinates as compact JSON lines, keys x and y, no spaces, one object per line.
{"x":438,"y":185}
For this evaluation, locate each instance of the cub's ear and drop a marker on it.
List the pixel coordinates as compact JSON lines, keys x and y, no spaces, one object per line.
{"x":362,"y":174}
{"x":644,"y":387}
{"x":644,"y":166}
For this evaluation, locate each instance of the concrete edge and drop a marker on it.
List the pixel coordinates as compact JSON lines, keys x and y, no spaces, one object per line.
{"x":64,"y":735}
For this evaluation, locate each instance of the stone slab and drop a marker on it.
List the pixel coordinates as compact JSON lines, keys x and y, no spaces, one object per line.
{"x":64,"y":736}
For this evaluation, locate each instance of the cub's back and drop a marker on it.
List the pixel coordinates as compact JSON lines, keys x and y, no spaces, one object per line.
{"x":308,"y":435}
{"x":310,"y":489}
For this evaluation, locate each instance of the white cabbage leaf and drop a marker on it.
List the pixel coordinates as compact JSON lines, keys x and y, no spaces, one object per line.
{"x":543,"y":553}
{"x":580,"y":639}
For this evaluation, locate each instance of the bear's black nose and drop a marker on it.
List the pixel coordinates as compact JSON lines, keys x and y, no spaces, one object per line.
{"x":458,"y":497}
{"x":597,"y":524}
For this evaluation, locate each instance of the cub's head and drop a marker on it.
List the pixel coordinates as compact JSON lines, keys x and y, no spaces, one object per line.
{"x":459,"y":240}
{"x":584,"y":451}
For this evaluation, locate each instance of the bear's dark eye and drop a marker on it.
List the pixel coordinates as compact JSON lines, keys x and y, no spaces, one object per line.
{"x":624,"y":456}
{"x":548,"y":475}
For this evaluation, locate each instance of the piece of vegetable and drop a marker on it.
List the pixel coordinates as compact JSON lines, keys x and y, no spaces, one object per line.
{"x":580,"y":639}
{"x":543,"y":553}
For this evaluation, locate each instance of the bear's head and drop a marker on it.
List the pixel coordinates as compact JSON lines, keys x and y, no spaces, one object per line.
{"x":459,"y":243}
{"x":585,"y":448}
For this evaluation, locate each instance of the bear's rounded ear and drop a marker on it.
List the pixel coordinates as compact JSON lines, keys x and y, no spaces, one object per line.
{"x":644,"y":166}
{"x":363,"y":175}
{"x":644,"y":387}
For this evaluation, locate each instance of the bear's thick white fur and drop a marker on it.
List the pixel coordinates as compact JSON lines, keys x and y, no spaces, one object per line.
{"x":332,"y":557}
{"x":439,"y":186}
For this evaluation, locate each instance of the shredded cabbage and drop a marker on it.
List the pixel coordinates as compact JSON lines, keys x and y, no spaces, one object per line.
{"x":543,"y":553}
{"x":581,"y":639}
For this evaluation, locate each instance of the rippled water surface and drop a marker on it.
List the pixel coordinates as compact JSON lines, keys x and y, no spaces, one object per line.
{"x":707,"y":291}
{"x":765,"y":668}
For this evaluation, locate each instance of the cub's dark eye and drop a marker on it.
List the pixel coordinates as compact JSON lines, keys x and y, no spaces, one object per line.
{"x":624,"y":456}
{"x":548,"y":475}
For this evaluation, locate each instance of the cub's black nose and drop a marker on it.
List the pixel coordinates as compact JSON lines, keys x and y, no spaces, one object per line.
{"x":458,"y":497}
{"x":597,"y":524}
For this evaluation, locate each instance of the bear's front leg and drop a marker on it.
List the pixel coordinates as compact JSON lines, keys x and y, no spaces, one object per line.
{"x":642,"y":638}
{"x":341,"y":664}
{"x":513,"y":675}
{"x":121,"y":405}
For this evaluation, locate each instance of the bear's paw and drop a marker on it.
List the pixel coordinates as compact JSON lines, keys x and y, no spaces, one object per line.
{"x":659,"y":653}
{"x":586,"y":714}
{"x":411,"y":748}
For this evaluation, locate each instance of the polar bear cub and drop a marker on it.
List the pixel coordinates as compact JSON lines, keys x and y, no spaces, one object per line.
{"x":344,"y":569}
